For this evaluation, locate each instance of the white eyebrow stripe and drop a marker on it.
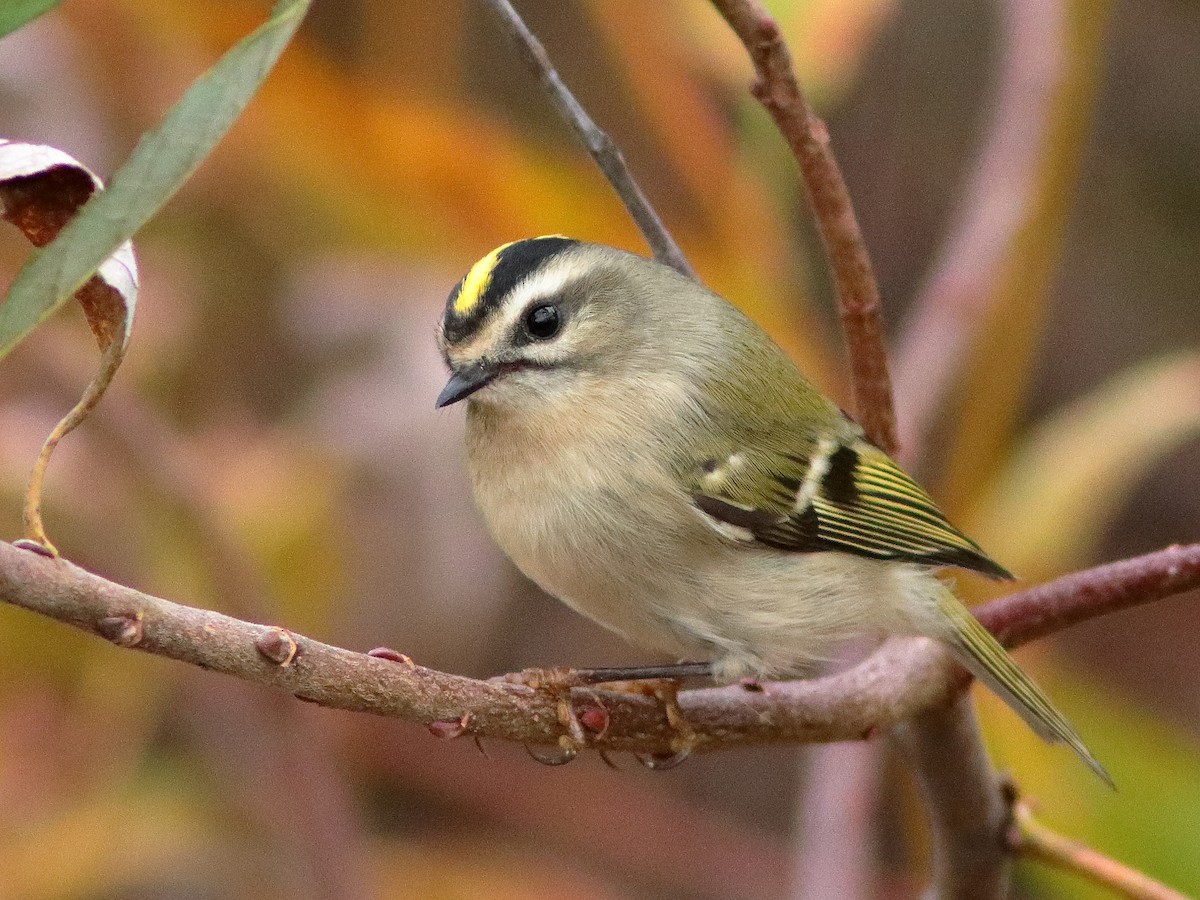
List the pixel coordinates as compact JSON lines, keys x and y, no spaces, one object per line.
{"x":546,"y":283}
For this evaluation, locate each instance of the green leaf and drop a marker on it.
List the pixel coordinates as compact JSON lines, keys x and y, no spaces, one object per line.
{"x":15,"y":13}
{"x":158,"y":166}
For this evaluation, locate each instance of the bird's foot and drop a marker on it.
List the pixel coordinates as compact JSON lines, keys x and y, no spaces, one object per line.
{"x":684,"y":737}
{"x":661,"y":682}
{"x":556,"y":683}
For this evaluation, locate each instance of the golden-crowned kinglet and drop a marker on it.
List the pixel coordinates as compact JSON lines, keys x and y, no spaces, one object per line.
{"x":648,"y":455}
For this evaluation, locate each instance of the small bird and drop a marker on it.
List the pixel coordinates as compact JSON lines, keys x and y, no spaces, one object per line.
{"x":648,"y":455}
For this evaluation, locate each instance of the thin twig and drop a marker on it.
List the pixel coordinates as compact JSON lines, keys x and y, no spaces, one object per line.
{"x":1028,"y":837}
{"x":904,"y":678}
{"x":601,"y":147}
{"x":945,"y":779}
{"x":1038,"y":611}
{"x":858,"y":294}
{"x":323,"y":849}
{"x":950,"y":307}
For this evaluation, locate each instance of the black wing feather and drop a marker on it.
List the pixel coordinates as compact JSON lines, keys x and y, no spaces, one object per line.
{"x":863,"y":503}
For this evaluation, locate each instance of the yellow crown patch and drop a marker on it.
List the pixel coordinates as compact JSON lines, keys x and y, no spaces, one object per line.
{"x":476,"y":282}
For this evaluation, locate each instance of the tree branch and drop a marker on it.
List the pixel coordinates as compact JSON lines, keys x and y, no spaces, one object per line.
{"x":830,"y":709}
{"x":858,"y":295}
{"x":960,"y":779}
{"x":904,"y":678}
{"x":597,"y":142}
{"x":1038,"y":611}
{"x":1030,"y":838}
{"x":962,"y":797}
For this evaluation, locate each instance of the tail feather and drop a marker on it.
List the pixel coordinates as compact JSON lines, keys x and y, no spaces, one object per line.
{"x":988,"y":661}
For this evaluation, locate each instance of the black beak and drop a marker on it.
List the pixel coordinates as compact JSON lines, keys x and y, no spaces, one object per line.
{"x":463,"y":384}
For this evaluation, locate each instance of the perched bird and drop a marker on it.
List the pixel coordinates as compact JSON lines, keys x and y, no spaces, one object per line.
{"x":645,"y":453}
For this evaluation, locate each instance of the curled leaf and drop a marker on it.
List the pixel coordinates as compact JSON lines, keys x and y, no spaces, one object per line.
{"x":94,"y":241}
{"x":41,"y":189}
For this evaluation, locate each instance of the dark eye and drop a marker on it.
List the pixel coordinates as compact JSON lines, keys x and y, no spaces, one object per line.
{"x":543,"y":321}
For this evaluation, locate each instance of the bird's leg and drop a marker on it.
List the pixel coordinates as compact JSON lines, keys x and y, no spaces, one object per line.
{"x":669,"y":671}
{"x":560,"y":678}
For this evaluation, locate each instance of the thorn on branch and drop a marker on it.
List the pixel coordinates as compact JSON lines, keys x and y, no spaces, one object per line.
{"x":34,"y":547}
{"x":820,"y":133}
{"x":392,"y":656}
{"x":768,"y":33}
{"x":277,"y":646}
{"x":124,"y":631}
{"x":599,"y":143}
{"x":449,"y":729}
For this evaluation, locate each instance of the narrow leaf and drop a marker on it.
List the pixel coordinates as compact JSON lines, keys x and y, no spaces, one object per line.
{"x":15,"y":13}
{"x":46,"y":187}
{"x":158,"y":166}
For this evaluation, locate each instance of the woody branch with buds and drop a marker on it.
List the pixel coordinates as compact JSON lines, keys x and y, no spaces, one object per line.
{"x":907,"y":681}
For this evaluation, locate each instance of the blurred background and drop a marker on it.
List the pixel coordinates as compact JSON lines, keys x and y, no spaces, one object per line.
{"x":270,"y":448}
